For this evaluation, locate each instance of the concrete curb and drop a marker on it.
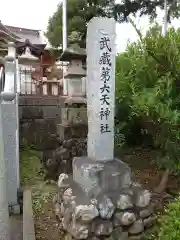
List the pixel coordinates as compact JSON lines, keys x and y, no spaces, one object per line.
{"x":28,"y":220}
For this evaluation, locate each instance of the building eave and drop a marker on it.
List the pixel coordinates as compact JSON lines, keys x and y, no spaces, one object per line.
{"x":8,"y":37}
{"x":9,"y":32}
{"x":36,"y":50}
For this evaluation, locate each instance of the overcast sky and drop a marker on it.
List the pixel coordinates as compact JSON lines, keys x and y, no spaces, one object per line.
{"x":35,"y":15}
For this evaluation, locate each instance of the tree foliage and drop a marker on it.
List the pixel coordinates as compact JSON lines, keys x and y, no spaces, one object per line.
{"x":147,"y":84}
{"x":123,"y":10}
{"x":79,"y":13}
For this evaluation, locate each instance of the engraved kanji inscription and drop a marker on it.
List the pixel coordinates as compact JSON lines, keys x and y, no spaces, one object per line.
{"x":105,"y":59}
{"x":104,"y":113}
{"x":105,"y":74}
{"x":104,"y":99}
{"x":105,"y":44}
{"x":104,"y":128}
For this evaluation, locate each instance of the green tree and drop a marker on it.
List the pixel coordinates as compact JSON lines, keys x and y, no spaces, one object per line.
{"x":123,"y":10}
{"x":79,"y":13}
{"x":147,"y":81}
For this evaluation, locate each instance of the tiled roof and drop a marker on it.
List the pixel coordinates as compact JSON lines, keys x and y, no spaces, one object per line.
{"x":8,"y":32}
{"x":32,"y":35}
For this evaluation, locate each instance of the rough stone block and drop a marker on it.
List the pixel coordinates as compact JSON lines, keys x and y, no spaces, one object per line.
{"x":84,"y":214}
{"x":85,"y":173}
{"x":124,"y":218}
{"x":141,"y":197}
{"x":78,"y":230}
{"x":146,"y":212}
{"x":150,"y":221}
{"x":102,"y":227}
{"x":124,"y":202}
{"x":118,"y":234}
{"x":137,"y":227}
{"x":106,"y":208}
{"x":73,"y":189}
{"x":95,"y":177}
{"x":74,"y":115}
{"x":66,"y":132}
{"x":115,"y":175}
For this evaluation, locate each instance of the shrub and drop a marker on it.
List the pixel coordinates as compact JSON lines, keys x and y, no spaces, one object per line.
{"x":170,"y":222}
{"x":147,"y":89}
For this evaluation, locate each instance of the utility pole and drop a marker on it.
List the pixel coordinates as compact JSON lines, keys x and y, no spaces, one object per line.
{"x":165,"y":23}
{"x":64,"y":36}
{"x":64,"y":20}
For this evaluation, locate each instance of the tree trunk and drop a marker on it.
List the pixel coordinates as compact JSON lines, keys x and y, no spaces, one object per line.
{"x":4,"y":212}
{"x":163,"y":183}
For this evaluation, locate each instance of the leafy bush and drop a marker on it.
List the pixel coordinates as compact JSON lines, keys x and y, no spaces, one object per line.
{"x":170,"y":222}
{"x":119,"y":139}
{"x":147,"y":89}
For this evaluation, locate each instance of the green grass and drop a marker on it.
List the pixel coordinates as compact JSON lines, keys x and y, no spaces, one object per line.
{"x":30,"y":167}
{"x":32,"y":176}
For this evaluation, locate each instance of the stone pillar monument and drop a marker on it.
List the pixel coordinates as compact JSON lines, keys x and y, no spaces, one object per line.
{"x":100,"y":198}
{"x":4,"y":213}
{"x":99,"y":169}
{"x":101,"y":88}
{"x":10,"y":120}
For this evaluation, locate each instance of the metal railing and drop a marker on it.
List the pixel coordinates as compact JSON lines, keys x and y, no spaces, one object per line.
{"x":31,"y":83}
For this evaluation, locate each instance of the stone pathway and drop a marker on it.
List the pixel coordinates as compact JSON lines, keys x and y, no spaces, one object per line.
{"x":16,"y":227}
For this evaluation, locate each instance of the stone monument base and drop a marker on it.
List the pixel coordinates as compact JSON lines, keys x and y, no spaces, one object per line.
{"x":68,"y":131}
{"x":101,"y":201}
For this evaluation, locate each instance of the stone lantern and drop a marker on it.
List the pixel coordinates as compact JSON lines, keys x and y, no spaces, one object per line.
{"x":74,"y":71}
{"x":74,"y":114}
